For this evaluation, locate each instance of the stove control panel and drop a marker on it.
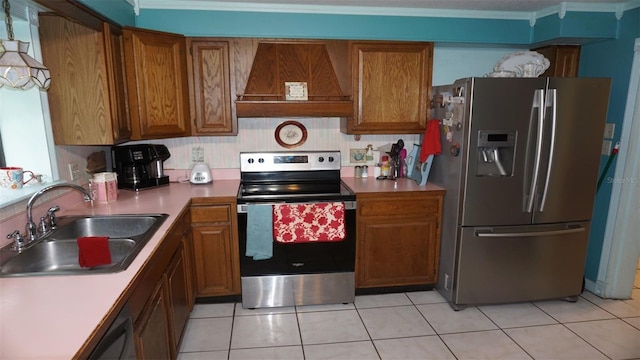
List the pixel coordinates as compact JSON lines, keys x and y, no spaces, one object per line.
{"x":289,"y":161}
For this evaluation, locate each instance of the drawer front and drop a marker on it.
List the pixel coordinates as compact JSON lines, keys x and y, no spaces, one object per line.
{"x":203,"y":214}
{"x":391,"y":206}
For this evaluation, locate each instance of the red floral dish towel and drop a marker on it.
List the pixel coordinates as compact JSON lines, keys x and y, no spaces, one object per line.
{"x":308,"y":222}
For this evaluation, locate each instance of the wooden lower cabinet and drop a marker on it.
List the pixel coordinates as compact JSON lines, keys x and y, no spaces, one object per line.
{"x":151,"y":332}
{"x":215,"y":247}
{"x":162,"y":299}
{"x":179,"y":294}
{"x":398,"y":241}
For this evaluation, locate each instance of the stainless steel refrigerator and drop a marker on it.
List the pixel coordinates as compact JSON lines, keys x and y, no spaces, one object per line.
{"x":519,"y":162}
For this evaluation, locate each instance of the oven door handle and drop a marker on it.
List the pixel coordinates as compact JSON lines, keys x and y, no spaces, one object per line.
{"x":242,"y":208}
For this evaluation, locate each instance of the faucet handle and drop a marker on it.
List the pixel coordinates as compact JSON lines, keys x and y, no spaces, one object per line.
{"x":18,"y":240}
{"x":52,"y":217}
{"x":43,"y":227}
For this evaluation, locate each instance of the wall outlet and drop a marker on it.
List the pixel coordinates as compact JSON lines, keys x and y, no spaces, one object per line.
{"x":74,"y":171}
{"x":197,"y":154}
{"x":609,"y":130}
{"x":606,"y":147}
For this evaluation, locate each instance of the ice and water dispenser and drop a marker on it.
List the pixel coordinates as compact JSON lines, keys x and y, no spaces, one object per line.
{"x":495,"y":153}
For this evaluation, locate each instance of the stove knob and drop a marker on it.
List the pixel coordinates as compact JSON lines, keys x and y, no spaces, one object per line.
{"x":331,"y":159}
{"x":250,"y":161}
{"x":321,"y":159}
{"x":261,"y":161}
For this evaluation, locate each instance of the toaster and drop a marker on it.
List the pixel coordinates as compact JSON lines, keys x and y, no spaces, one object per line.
{"x":200,"y":174}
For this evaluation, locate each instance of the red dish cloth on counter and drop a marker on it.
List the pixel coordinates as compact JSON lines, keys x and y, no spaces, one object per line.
{"x":431,"y":141}
{"x":93,"y":251}
{"x":296,"y":223}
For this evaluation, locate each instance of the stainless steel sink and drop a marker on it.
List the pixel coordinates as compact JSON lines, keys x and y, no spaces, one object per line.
{"x":57,"y":252}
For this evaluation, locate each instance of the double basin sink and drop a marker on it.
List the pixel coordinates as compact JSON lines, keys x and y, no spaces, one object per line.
{"x":57,"y":252}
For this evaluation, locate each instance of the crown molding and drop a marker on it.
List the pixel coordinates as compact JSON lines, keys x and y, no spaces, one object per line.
{"x":561,"y":9}
{"x":136,"y":6}
{"x":324,"y":9}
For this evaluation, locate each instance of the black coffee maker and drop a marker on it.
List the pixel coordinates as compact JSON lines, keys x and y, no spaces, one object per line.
{"x":140,"y":166}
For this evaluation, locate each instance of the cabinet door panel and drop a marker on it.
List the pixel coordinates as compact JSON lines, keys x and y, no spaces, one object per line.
{"x":178,"y":294}
{"x":157,"y":83}
{"x":396,"y":254}
{"x":564,"y":60}
{"x":79,"y":95}
{"x":213,"y":260}
{"x":391,"y":86}
{"x":151,"y":332}
{"x":117,"y":81}
{"x":211,"y":84}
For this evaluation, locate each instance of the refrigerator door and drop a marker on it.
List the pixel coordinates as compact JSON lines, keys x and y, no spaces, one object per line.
{"x":501,"y":112}
{"x":520,"y":263}
{"x":576,"y":110}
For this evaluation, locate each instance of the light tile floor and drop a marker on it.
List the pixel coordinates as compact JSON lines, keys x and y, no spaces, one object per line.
{"x":418,"y":325}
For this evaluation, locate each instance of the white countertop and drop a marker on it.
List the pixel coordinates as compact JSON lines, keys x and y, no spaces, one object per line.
{"x":51,"y":317}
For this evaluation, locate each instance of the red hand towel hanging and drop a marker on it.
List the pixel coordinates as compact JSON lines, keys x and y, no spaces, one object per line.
{"x":431,"y":141}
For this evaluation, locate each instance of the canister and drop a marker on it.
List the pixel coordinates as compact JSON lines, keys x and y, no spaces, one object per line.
{"x":357,"y":173}
{"x":104,"y":187}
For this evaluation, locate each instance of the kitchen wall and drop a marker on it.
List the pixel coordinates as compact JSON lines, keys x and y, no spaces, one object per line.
{"x":609,"y":58}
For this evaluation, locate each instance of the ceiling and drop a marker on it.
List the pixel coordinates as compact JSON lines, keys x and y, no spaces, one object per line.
{"x":482,"y":5}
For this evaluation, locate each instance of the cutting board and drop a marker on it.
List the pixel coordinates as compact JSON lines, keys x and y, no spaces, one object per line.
{"x":415,"y":169}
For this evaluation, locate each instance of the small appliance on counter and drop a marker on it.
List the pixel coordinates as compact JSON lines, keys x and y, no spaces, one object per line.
{"x":200,"y":174}
{"x":140,"y":166}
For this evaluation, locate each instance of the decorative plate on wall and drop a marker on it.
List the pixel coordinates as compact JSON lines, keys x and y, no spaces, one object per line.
{"x":291,"y":134}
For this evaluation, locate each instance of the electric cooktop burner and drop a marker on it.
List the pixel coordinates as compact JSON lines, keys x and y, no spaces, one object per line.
{"x":296,"y":176}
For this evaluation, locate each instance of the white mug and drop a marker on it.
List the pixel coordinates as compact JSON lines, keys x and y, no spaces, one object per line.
{"x":13,"y":177}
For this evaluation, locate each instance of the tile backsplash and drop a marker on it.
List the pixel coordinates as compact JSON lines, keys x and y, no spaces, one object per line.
{"x":258,"y":134}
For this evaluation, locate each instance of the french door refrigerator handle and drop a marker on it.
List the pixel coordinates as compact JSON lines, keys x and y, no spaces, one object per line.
{"x":538,"y":102}
{"x":550,"y":102}
{"x":530,"y":233}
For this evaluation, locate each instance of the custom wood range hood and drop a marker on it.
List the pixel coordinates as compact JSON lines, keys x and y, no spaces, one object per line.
{"x":313,"y":74}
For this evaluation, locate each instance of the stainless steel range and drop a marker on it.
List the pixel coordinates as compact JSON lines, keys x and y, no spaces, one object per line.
{"x":280,"y":271}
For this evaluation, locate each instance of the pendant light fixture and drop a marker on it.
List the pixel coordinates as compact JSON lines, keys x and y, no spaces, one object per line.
{"x":18,"y":70}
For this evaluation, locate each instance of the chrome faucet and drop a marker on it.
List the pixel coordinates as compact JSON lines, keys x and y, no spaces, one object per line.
{"x":32,"y":229}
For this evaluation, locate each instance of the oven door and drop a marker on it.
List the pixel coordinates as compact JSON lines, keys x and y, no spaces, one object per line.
{"x":300,"y":273}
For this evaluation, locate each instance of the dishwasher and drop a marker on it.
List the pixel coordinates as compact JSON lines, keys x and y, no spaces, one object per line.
{"x":117,"y":342}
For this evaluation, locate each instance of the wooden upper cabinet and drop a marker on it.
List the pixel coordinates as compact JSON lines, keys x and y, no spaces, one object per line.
{"x":210,"y":88}
{"x":117,"y":81}
{"x":157,"y":84}
{"x":391,"y":82}
{"x":87,"y":98}
{"x":563,"y":59}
